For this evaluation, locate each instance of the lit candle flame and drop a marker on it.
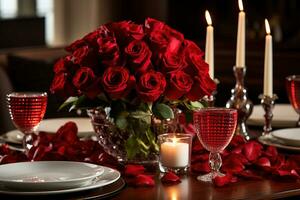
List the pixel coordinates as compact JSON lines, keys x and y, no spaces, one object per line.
{"x":268,"y":30}
{"x":241,"y":5}
{"x":208,"y":18}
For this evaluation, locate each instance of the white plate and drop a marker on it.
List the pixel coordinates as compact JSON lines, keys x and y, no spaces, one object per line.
{"x":108,"y":177}
{"x":283,"y":116}
{"x":48,"y":175}
{"x":273,"y":141}
{"x":290,"y":136}
{"x":85,"y":128}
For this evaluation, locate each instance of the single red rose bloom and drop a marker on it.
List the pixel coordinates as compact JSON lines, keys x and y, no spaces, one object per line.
{"x":65,"y":65}
{"x":180,"y":84}
{"x":62,"y":86}
{"x":117,"y":82}
{"x":85,"y":56}
{"x":203,"y":85}
{"x":86,"y":81}
{"x":139,"y":56}
{"x":151,"y":85}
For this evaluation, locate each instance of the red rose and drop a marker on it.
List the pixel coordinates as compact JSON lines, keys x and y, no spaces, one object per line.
{"x":85,"y":81}
{"x":192,"y":49}
{"x":153,"y":25}
{"x":61,"y":86}
{"x":158,"y":40}
{"x":126,"y":31}
{"x":196,"y":65}
{"x":151,"y":85}
{"x":172,"y":62}
{"x":65,"y":65}
{"x":85,"y":56}
{"x":139,"y":56}
{"x":91,"y":38}
{"x":117,"y":82}
{"x":108,"y":49}
{"x":180,"y":84}
{"x":75,"y":45}
{"x":203,"y":85}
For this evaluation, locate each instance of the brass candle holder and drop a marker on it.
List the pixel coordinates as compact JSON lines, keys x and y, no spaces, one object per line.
{"x":268,"y":104}
{"x":239,"y":100}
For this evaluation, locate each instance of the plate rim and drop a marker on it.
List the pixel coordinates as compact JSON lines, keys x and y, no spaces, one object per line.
{"x":5,"y":191}
{"x":262,"y":139}
{"x":284,"y":138}
{"x":3,"y":181}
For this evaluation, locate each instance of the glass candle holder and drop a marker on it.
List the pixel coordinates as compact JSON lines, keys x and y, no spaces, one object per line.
{"x":175,"y":152}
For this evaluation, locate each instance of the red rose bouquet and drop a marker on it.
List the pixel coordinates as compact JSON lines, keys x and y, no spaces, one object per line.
{"x":139,"y":72}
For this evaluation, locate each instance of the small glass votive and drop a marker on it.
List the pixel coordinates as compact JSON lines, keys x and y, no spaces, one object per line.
{"x":175,"y":152}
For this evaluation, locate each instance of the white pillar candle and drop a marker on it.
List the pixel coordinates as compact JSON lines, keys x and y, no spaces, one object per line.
{"x":174,"y":154}
{"x":240,"y":45}
{"x":268,"y":67}
{"x":209,"y":47}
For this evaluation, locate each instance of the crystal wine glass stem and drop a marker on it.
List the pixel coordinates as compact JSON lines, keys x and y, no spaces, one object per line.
{"x":215,"y":163}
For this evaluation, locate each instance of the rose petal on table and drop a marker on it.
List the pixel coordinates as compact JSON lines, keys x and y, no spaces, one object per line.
{"x":252,"y":150}
{"x":197,"y":146}
{"x":271,"y":152}
{"x":221,"y":181}
{"x":4,"y":149}
{"x":40,"y":152}
{"x":134,"y":170}
{"x":232,"y":165}
{"x":13,"y":158}
{"x":287,"y":174}
{"x":237,"y":140}
{"x":67,"y":133}
{"x":200,"y":167}
{"x":248,"y":174}
{"x":279,"y":162}
{"x":141,"y":180}
{"x":263,"y":162}
{"x":170,"y":178}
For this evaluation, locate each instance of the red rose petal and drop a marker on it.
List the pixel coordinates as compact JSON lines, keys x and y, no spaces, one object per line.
{"x":263,"y":161}
{"x":221,"y":181}
{"x":200,"y":157}
{"x":252,"y":150}
{"x":170,"y":178}
{"x":141,"y":180}
{"x":134,"y":170}
{"x":67,"y":133}
{"x":237,"y":140}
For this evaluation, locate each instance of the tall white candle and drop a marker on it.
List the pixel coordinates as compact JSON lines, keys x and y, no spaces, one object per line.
{"x":174,"y":154}
{"x":240,"y":45}
{"x":268,"y":70}
{"x":209,"y":47}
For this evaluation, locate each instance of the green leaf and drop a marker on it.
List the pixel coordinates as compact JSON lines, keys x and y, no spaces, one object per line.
{"x":144,"y":116}
{"x":196,"y":104}
{"x":78,"y":102}
{"x":131,"y":147}
{"x":121,"y":122}
{"x":163,"y":111}
{"x":68,"y":102}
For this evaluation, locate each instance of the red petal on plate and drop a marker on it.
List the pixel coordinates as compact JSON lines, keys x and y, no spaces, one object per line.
{"x":134,"y":170}
{"x":252,"y":150}
{"x":263,"y":162}
{"x":170,"y":178}
{"x":221,"y":181}
{"x":248,"y":174}
{"x":200,"y":167}
{"x":141,"y":180}
{"x":200,"y":157}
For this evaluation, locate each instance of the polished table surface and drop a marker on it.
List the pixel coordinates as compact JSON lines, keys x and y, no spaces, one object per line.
{"x":191,"y":188}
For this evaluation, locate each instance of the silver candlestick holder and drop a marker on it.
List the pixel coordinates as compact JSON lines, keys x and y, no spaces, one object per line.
{"x":239,"y":100}
{"x":268,"y":104}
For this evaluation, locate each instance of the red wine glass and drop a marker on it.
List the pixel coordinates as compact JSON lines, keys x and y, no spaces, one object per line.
{"x":26,"y":110}
{"x":293,"y":90}
{"x":215,"y":128}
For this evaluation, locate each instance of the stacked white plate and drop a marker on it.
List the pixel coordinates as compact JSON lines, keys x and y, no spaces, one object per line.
{"x":283,"y":116}
{"x":54,"y":177}
{"x":84,"y":125}
{"x":288,"y":138}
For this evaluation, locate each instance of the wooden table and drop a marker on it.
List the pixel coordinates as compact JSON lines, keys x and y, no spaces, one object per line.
{"x":191,"y":188}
